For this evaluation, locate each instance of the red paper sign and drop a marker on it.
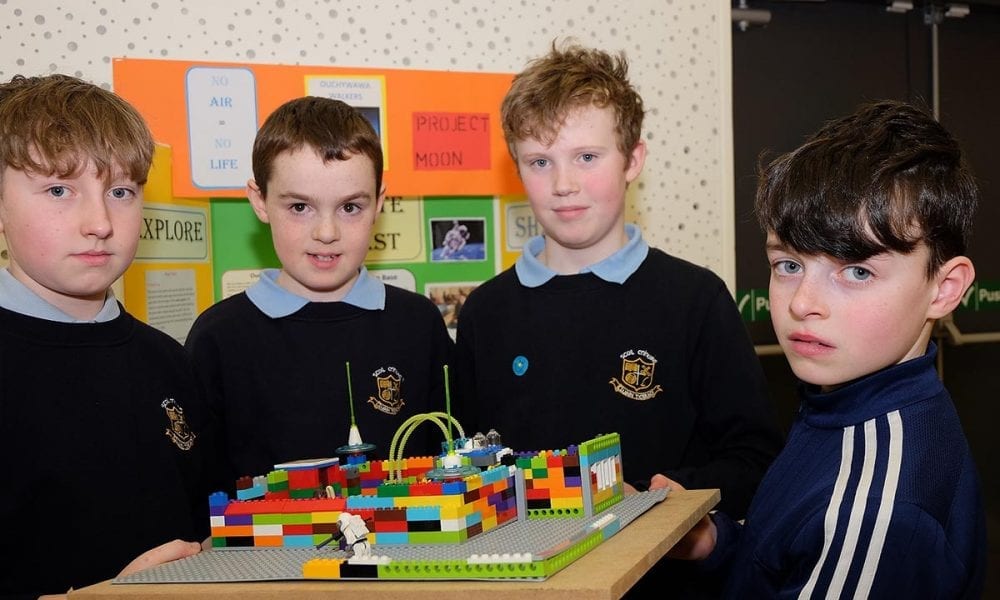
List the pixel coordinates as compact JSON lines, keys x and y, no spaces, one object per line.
{"x":451,"y":141}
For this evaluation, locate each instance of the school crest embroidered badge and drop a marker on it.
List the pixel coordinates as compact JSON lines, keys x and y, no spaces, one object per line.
{"x":637,"y":376}
{"x":178,"y":431}
{"x":389,"y":386}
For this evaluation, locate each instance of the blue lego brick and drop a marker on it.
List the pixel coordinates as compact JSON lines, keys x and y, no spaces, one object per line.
{"x":453,"y":488}
{"x":423,"y":513}
{"x":393,"y":538}
{"x":356,"y":459}
{"x":255,"y":491}
{"x":358,"y":502}
{"x":298,"y":541}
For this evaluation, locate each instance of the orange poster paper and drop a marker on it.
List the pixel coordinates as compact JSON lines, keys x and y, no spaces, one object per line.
{"x":218,"y":105}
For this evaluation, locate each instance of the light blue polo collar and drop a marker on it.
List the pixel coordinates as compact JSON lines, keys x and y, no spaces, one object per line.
{"x":275,"y":301}
{"x":616,"y":268}
{"x":16,"y":297}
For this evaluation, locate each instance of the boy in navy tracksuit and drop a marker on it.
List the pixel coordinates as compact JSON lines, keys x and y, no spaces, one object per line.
{"x":875,"y":494}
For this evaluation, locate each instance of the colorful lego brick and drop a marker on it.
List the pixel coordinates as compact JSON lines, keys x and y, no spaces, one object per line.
{"x":453,"y":487}
{"x":322,"y":568}
{"x":371,"y":502}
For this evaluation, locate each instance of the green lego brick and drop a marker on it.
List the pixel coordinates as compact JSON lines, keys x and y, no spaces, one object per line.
{"x":393,"y":490}
{"x":278,"y":486}
{"x":303,"y":493}
{"x":600,"y":444}
{"x":282,"y":519}
{"x":556,"y":563}
{"x":554,"y":513}
{"x":459,"y":569}
{"x":540,"y":473}
{"x":437,"y":537}
{"x":218,"y":542}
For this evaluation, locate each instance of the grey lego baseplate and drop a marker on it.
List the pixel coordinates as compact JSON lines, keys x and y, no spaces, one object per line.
{"x":535,"y":537}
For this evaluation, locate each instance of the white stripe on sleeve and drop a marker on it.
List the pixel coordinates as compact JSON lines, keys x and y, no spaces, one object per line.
{"x":885,"y":507}
{"x":833,"y":509}
{"x":857,"y":513}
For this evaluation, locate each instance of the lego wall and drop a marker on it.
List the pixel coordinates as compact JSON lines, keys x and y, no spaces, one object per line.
{"x":679,"y":52}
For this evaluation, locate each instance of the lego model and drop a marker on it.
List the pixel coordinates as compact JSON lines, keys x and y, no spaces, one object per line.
{"x":478,"y":511}
{"x":523,"y":515}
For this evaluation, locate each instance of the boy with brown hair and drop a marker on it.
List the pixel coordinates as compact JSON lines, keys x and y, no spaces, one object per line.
{"x":100,"y":416}
{"x":593,"y":331}
{"x":876,"y":494}
{"x":272,"y":358}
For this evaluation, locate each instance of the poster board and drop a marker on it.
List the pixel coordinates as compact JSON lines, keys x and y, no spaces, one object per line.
{"x":440,"y":130}
{"x":455,"y":214}
{"x":170,"y":281}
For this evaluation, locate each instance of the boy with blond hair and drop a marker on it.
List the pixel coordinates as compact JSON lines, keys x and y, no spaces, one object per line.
{"x":876,"y":494}
{"x":592,"y":330}
{"x":272,"y":358}
{"x":100,"y":416}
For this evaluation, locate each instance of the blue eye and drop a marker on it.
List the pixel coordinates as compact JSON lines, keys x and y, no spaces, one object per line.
{"x":57,"y":191}
{"x":588,"y":157}
{"x":855,"y":273}
{"x":787,"y":267}
{"x":539,"y":162}
{"x":121,"y":193}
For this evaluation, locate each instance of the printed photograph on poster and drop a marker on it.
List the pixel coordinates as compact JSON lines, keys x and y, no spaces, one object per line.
{"x":365,"y":93}
{"x":449,"y":298}
{"x":458,"y":239}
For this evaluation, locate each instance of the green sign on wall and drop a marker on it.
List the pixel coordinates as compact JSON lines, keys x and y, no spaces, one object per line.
{"x":981,"y":295}
{"x":754,"y":305}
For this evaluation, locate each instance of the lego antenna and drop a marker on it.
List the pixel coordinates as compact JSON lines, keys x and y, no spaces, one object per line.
{"x":354,"y":445}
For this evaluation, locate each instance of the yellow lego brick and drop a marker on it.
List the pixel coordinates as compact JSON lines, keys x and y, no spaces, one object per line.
{"x":489,"y":523}
{"x":603,"y":495}
{"x":442,"y":501}
{"x":473,"y":483}
{"x":322,"y":568}
{"x":567,"y":502}
{"x":328,"y":516}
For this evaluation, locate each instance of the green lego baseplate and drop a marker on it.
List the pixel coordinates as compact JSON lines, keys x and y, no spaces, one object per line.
{"x":521,"y":550}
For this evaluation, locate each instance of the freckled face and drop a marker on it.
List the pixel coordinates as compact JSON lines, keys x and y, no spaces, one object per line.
{"x":321,"y":216}
{"x":576,"y":185}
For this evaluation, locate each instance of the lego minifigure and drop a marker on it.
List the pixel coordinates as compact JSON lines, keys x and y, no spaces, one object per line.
{"x":355,"y":533}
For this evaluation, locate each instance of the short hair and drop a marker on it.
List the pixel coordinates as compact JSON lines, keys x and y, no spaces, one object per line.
{"x":884,"y":178}
{"x":333,"y":129}
{"x":57,"y":124}
{"x":552,"y":86}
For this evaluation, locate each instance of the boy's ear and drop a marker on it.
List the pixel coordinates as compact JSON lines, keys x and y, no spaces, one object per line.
{"x":379,"y":201}
{"x":953,"y":279}
{"x":256,"y":199}
{"x":636,"y":159}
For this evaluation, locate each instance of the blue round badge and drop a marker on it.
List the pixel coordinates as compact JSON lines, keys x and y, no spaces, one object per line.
{"x":520,"y":365}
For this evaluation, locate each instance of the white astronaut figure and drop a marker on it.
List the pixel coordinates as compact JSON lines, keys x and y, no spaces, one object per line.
{"x":355,"y":533}
{"x":454,"y":239}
